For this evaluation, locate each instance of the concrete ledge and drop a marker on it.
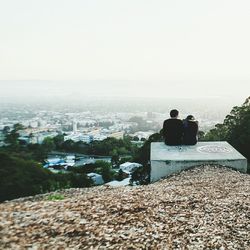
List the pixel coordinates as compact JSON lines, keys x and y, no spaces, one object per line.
{"x":166,"y":160}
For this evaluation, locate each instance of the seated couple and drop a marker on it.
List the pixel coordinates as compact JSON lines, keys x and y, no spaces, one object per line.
{"x":178,"y":132}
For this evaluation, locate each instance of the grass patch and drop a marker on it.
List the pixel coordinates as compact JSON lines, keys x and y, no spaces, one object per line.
{"x":55,"y":197}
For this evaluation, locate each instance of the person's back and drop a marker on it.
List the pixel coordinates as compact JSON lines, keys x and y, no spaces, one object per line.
{"x":173,"y":129}
{"x":190,"y":131}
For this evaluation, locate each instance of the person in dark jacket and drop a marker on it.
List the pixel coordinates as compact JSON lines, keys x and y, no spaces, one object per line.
{"x":173,"y":129}
{"x":190,"y":130}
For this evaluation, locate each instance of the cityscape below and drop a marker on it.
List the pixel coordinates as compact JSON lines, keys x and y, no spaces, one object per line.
{"x":103,"y":118}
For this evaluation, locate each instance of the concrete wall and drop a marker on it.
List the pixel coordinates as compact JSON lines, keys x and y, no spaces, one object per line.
{"x":167,"y":160}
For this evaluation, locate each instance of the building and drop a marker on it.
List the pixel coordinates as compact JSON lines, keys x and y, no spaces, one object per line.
{"x":61,"y":163}
{"x":96,"y":178}
{"x":70,"y":160}
{"x":117,"y":135}
{"x":54,"y":162}
{"x":74,"y":127}
{"x":79,"y":137}
{"x":99,"y":137}
{"x":86,"y":138}
{"x":94,"y":132}
{"x":142,"y":134}
{"x":129,"y":167}
{"x":41,"y":136}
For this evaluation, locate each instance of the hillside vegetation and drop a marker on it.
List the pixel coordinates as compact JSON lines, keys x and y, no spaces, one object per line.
{"x":235,"y":129}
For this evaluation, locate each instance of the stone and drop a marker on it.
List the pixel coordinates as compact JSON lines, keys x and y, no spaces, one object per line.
{"x":167,"y":160}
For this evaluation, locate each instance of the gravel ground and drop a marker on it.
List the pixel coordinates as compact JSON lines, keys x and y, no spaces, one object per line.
{"x":204,"y":208}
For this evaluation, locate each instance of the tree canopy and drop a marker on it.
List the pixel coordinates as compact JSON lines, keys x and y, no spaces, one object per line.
{"x":235,"y":129}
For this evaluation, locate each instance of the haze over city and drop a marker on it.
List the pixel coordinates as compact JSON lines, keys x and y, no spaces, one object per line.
{"x":69,"y":49}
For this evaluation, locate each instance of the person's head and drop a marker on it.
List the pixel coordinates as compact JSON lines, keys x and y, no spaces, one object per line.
{"x":190,"y":118}
{"x":174,"y":113}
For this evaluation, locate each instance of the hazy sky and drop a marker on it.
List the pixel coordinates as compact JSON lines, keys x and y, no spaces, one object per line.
{"x":194,"y":47}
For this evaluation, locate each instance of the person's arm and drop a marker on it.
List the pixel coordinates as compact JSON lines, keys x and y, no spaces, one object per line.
{"x":164,"y":130}
{"x":197,"y":127}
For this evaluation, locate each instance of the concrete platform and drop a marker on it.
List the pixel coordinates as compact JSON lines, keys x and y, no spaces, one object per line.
{"x":166,"y":160}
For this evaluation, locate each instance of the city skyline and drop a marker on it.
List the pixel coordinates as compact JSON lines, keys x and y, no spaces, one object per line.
{"x":121,"y":90}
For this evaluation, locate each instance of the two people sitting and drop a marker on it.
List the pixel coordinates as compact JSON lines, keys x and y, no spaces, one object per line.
{"x":178,"y":132}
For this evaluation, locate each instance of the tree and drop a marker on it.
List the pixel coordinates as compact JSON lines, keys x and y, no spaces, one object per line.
{"x":48,"y":144}
{"x":143,"y":155}
{"x":115,"y":157}
{"x":19,"y":177}
{"x":104,"y":168}
{"x":120,"y":175}
{"x":12,"y":138}
{"x":18,"y":126}
{"x":80,"y":180}
{"x":38,"y":152}
{"x":6,"y":130}
{"x":201,"y":135}
{"x":235,"y":129}
{"x":142,"y":175}
{"x":58,"y":141}
{"x":136,"y":138}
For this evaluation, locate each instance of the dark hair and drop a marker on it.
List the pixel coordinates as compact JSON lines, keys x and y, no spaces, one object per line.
{"x":190,"y":117}
{"x":174,"y":113}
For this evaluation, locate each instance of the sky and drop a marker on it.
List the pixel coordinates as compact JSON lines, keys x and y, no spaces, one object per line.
{"x":156,"y":48}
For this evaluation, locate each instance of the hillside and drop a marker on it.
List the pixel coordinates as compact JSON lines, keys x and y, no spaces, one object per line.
{"x":203,"y":208}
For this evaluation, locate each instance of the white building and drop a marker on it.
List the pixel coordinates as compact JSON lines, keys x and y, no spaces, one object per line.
{"x":97,"y":178}
{"x":74,"y":127}
{"x":79,"y":137}
{"x":70,"y":160}
{"x":99,"y":137}
{"x":86,"y":138}
{"x":129,"y":167}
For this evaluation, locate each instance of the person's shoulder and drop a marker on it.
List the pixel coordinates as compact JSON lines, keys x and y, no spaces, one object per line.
{"x":167,"y":120}
{"x":179,"y":121}
{"x":194,"y":124}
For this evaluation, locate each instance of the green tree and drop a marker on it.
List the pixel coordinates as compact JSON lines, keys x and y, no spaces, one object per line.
{"x":58,"y":141}
{"x":80,"y":180}
{"x":48,"y":144}
{"x":12,"y":138}
{"x":20,"y":177}
{"x":115,"y":157}
{"x":18,"y":126}
{"x":104,"y":168}
{"x":235,"y":129}
{"x":120,"y":175}
{"x":142,"y":175}
{"x":6,"y":130}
